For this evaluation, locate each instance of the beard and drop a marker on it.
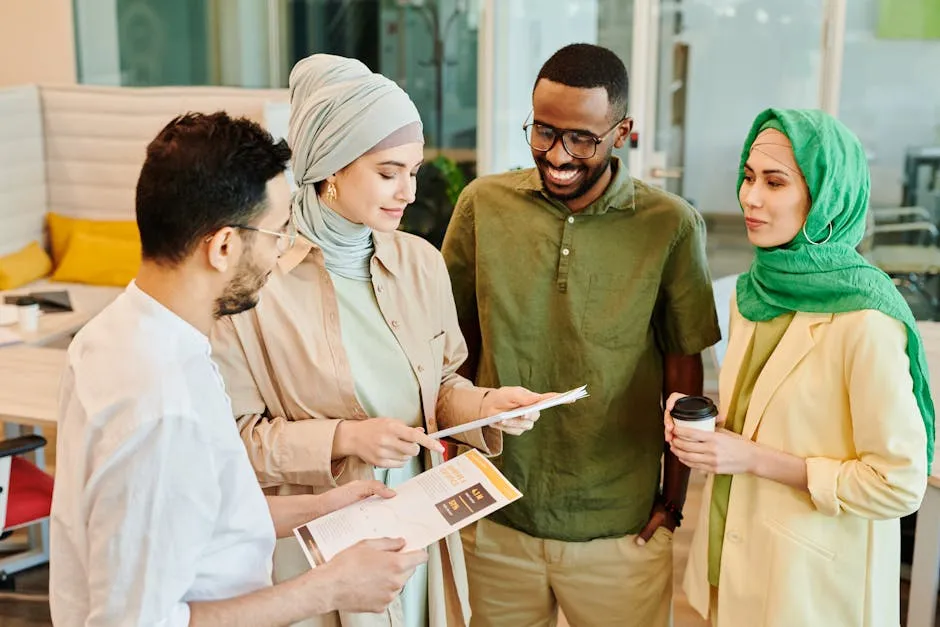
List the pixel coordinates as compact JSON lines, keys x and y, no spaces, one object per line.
{"x":592,"y":175}
{"x":242,"y":292}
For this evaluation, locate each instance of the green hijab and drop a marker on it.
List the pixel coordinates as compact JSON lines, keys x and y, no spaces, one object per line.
{"x":831,"y":276}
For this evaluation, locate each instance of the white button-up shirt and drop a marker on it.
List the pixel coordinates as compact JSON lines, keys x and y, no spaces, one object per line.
{"x":155,"y":501}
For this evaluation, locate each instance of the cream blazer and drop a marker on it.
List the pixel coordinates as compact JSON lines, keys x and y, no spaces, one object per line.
{"x":837,"y":391}
{"x":290,"y":382}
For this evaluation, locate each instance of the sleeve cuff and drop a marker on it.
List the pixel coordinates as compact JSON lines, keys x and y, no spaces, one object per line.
{"x":463,"y":405}
{"x":304,"y":455}
{"x":822,"y":479}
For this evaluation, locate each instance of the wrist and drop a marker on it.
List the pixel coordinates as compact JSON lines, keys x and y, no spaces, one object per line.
{"x":324,"y":600}
{"x":344,"y":439}
{"x":755,"y":460}
{"x":485,"y":405}
{"x":671,"y":507}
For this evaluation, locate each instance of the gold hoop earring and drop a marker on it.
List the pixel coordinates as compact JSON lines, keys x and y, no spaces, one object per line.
{"x":330,"y":191}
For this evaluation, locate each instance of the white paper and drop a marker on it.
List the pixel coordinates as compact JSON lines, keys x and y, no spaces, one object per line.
{"x":568,"y":397}
{"x":425,"y":509}
{"x":8,"y":337}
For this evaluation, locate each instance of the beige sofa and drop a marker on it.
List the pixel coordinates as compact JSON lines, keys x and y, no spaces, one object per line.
{"x":77,"y":151}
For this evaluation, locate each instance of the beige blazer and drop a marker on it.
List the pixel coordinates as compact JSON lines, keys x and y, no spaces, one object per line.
{"x":837,"y":391}
{"x":287,"y":373}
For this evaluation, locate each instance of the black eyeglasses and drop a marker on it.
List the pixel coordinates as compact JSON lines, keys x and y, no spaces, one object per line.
{"x":285,"y":238}
{"x":578,"y":144}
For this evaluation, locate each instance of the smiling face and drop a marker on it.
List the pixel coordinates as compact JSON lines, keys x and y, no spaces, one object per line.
{"x":375,"y":188}
{"x":773,"y":194}
{"x":576,"y":182}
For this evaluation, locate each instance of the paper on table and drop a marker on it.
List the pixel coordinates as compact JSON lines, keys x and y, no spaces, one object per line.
{"x":425,"y":509}
{"x":8,"y":337}
{"x":568,"y":397}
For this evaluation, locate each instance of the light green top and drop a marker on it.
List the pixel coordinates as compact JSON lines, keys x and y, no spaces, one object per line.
{"x":767,"y":336}
{"x":386,"y":387}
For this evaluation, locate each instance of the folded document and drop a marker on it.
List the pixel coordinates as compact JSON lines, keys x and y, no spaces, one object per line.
{"x":425,"y":509}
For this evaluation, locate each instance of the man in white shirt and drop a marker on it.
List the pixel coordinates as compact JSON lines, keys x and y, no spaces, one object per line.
{"x":157,"y":516}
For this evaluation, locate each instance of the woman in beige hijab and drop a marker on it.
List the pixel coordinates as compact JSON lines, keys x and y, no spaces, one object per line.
{"x":351,"y":357}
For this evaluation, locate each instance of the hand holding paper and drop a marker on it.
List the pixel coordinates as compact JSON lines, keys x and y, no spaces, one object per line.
{"x":538,"y":402}
{"x":425,"y":509}
{"x":508,"y":398}
{"x":369,"y":575}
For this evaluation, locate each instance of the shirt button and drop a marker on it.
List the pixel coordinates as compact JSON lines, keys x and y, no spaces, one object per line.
{"x":379,"y":289}
{"x":571,"y":220}
{"x":565,"y":252}
{"x":734,"y":536}
{"x":395,"y":324}
{"x":420,"y":368}
{"x":332,"y":317}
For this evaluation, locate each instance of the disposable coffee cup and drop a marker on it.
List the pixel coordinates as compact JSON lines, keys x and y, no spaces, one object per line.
{"x":695,"y":412}
{"x":27,"y":314}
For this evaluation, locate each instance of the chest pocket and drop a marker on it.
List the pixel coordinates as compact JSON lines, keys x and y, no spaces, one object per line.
{"x":618,"y":310}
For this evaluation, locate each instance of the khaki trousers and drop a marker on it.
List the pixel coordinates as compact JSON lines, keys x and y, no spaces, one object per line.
{"x":517,"y":580}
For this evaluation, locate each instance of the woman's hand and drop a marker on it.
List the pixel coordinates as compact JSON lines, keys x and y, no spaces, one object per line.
{"x":507,"y":398}
{"x":382,"y":442}
{"x":721,"y":452}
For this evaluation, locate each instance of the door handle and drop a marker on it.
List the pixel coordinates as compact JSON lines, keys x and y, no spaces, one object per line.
{"x":666,"y":173}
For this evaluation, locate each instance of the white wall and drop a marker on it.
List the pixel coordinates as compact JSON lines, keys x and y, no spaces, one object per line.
{"x":525,"y":33}
{"x":890,"y":97}
{"x":37,"y":43}
{"x":744,"y":56}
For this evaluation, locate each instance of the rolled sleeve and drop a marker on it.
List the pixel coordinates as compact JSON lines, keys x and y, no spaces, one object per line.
{"x":291,"y":451}
{"x":281,"y":451}
{"x":686,"y":321}
{"x":888,"y":477}
{"x":823,"y":483}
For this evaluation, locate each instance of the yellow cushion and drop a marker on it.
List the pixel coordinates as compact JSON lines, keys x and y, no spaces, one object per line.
{"x":62,"y":228}
{"x":99,"y":260}
{"x":23,"y":266}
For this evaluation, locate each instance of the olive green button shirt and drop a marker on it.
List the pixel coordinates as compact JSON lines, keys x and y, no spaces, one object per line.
{"x":560,"y":299}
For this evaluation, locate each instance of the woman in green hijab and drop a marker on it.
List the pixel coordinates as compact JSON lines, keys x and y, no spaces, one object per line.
{"x":827,"y":423}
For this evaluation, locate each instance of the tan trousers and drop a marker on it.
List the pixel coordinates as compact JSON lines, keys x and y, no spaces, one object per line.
{"x":517,"y":580}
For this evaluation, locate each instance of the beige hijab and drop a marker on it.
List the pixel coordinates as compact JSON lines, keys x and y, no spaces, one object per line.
{"x":341,"y":110}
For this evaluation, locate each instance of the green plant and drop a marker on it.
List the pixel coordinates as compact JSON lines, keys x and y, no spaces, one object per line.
{"x":453,"y":175}
{"x":440,"y":182}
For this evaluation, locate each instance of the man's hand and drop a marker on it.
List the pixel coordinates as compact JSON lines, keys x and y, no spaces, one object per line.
{"x":368,"y":576}
{"x":507,"y":398}
{"x":352,"y":492}
{"x":382,"y":442}
{"x":658,"y":518}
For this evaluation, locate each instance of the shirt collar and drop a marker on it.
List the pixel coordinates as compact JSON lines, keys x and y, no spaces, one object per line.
{"x":186,"y":334}
{"x":386,"y":252}
{"x":620,"y":194}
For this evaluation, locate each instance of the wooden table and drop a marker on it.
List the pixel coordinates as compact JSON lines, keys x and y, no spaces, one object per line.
{"x":29,"y":390}
{"x":925,"y":572}
{"x":57,"y":329}
{"x":29,"y":384}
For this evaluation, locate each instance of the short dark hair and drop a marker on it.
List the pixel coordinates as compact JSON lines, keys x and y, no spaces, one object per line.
{"x":202,"y":173}
{"x":588,"y":66}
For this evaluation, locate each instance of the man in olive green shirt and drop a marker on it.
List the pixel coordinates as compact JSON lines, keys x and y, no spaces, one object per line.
{"x":575,"y":273}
